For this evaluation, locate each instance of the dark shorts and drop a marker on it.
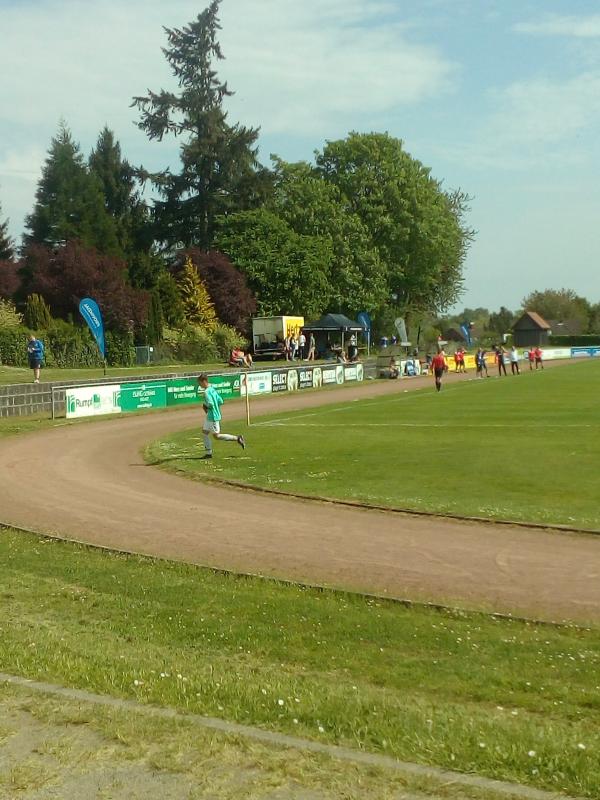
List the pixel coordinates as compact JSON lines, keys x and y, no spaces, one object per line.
{"x":35,"y":363}
{"x":438,"y":372}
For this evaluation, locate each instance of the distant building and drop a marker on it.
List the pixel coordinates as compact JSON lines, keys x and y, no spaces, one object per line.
{"x":566,"y":327}
{"x":531,"y":329}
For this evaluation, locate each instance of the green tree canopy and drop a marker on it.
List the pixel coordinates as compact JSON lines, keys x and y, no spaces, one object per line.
{"x":130,"y":213}
{"x":69,"y":202}
{"x":287,"y":271}
{"x":559,"y":304}
{"x":219,"y":168}
{"x":417,"y":228}
{"x":312,"y":206}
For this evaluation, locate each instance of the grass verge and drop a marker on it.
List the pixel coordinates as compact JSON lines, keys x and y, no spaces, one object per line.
{"x":505,"y":699}
{"x":521,"y":448}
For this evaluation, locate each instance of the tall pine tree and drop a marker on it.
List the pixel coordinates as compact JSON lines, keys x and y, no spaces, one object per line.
{"x":219,"y":173}
{"x":70,"y":203}
{"x":7,"y":250}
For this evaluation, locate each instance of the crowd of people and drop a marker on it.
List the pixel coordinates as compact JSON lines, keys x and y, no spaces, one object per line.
{"x":438,"y":364}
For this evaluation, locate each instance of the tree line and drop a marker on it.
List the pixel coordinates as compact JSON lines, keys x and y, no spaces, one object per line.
{"x":364,"y":226}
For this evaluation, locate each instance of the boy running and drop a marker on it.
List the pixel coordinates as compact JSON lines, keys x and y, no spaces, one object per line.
{"x":212,"y":424}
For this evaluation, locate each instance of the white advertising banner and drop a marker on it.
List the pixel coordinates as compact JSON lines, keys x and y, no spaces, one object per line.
{"x":257,"y":382}
{"x":333,"y":374}
{"x":92,"y":401}
{"x":353,"y":373}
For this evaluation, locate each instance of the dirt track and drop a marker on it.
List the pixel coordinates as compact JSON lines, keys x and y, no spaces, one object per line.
{"x":89,"y":482}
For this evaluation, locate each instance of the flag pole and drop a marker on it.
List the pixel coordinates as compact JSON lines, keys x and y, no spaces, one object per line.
{"x":247,"y":400}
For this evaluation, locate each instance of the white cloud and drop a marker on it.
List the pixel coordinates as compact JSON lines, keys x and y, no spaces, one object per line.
{"x":537,"y":122}
{"x":587,"y":27}
{"x":297,"y":68}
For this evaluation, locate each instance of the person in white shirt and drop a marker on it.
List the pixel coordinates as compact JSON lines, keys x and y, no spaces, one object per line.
{"x":302,"y":345}
{"x":514,"y":361}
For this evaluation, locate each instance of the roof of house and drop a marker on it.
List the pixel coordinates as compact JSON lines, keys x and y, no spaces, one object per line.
{"x":533,"y":317}
{"x":566,"y":327}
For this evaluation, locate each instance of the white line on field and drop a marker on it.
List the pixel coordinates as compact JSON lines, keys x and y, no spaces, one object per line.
{"x":464,"y":425}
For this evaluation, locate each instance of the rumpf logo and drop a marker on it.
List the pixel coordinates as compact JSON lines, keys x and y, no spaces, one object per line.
{"x":87,"y":401}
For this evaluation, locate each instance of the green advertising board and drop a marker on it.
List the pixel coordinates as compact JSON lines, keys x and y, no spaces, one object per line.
{"x":183,"y":391}
{"x":228,"y":386}
{"x":138,"y":396}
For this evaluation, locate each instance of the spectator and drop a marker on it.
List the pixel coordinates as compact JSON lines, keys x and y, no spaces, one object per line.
{"x":294,"y":346}
{"x":352,"y":349}
{"x":35,"y":354}
{"x":240,"y":359}
{"x":312,"y":346}
{"x":500,"y":360}
{"x":514,"y":361}
{"x":480,"y":363}
{"x":393,"y":368}
{"x":302,"y":345}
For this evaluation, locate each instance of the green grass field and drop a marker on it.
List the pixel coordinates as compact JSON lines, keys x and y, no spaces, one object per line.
{"x":521,"y":448}
{"x":501,"y":698}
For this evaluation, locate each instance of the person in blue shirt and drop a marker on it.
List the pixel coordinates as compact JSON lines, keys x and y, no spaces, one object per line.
{"x":35,"y":354}
{"x":212,"y":403}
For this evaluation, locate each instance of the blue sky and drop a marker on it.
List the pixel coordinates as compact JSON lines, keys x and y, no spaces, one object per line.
{"x":500,"y":98}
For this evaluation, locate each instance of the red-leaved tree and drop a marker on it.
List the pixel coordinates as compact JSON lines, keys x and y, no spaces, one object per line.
{"x":67,"y":274}
{"x":233,"y":300}
{"x":9,"y":278}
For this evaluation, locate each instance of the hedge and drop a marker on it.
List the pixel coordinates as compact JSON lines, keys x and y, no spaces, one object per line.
{"x":66,"y":345}
{"x":581,"y":340}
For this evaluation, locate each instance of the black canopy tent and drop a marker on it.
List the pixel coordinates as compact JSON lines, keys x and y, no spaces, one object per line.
{"x":333,"y":323}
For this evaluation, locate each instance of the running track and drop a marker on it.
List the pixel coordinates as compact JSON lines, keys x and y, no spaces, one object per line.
{"x":89,"y":483}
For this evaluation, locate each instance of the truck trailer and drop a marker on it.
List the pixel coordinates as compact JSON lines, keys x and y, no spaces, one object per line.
{"x":269,"y":333}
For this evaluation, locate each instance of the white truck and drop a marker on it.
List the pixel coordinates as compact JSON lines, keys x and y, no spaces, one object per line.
{"x":269,"y":333}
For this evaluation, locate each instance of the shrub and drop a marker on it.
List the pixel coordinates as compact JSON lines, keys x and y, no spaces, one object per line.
{"x":13,"y":346}
{"x":120,"y":351}
{"x":9,"y":316}
{"x":226,"y":338}
{"x":37,"y":313}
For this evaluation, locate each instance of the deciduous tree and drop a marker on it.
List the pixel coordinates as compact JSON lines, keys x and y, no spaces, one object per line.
{"x":287,"y":272}
{"x":418,"y":229}
{"x":227,"y":286}
{"x":67,"y":274}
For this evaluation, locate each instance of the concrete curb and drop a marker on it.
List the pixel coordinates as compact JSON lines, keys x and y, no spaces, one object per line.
{"x":283,"y":740}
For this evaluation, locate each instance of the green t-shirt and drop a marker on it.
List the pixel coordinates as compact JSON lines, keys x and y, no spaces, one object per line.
{"x":213,"y":400}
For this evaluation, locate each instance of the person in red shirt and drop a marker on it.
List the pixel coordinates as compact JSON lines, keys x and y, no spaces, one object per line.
{"x":538,"y":358}
{"x":531,"y":357}
{"x":439,"y":366}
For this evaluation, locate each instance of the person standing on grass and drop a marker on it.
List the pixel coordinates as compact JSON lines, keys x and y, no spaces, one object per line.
{"x":439,"y":366}
{"x":538,"y":358}
{"x":501,"y":360}
{"x":212,"y":424}
{"x":531,"y":357}
{"x":514,"y":361}
{"x":35,"y":355}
